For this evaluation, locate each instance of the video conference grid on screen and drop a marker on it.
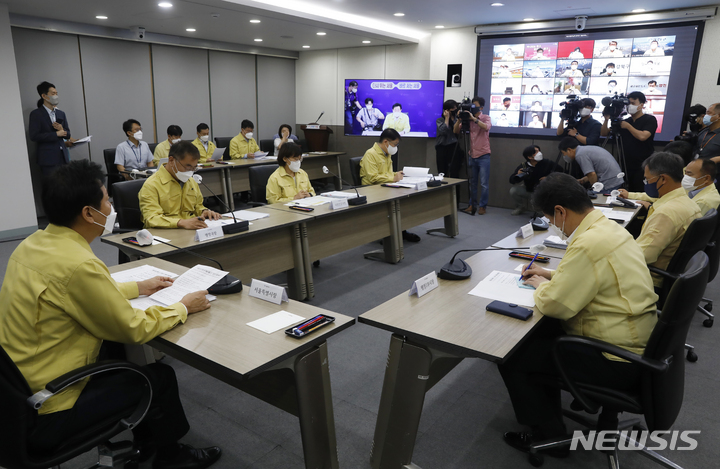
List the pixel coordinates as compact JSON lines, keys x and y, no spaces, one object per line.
{"x":531,"y":77}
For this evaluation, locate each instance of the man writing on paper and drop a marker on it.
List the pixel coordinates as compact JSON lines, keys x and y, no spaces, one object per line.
{"x":60,"y":303}
{"x":601,"y":289}
{"x":171,"y":198}
{"x":203,"y":143}
{"x":174,"y":135}
{"x":376,"y":166}
{"x":243,"y":145}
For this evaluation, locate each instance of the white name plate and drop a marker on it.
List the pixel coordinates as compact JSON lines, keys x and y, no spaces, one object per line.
{"x":206,"y":234}
{"x":268,"y":292}
{"x":337,"y":203}
{"x":312,"y":126}
{"x":421,"y":186}
{"x":424,"y":285}
{"x":525,"y":231}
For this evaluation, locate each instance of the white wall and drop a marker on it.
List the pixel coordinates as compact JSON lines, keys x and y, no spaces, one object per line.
{"x":706,"y":89}
{"x":17,"y":214}
{"x":455,"y":46}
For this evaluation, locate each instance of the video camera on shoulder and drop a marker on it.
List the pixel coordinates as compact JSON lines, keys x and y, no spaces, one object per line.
{"x":571,"y":110}
{"x":466,"y":109}
{"x":614,"y":106}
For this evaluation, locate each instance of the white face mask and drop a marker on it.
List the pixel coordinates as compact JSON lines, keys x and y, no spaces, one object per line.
{"x":294,"y":166}
{"x":138,"y":135}
{"x":689,"y":183}
{"x":538,"y":156}
{"x":174,"y":141}
{"x":559,"y":232}
{"x":574,"y":67}
{"x":248,"y":135}
{"x":204,"y":138}
{"x":109,"y":220}
{"x":585,"y":112}
{"x":183,"y":176}
{"x":392,"y":150}
{"x":632,"y":109}
{"x":397,"y":113}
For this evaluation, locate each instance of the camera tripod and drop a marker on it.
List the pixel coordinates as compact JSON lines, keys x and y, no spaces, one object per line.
{"x":465,"y":133}
{"x":617,"y":145}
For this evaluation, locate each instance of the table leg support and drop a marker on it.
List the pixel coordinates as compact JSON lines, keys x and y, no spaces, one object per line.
{"x":317,"y":422}
{"x":338,"y":180}
{"x":307,"y":261}
{"x":297,"y":282}
{"x":227,"y":193}
{"x":451,"y":221}
{"x":392,"y":251}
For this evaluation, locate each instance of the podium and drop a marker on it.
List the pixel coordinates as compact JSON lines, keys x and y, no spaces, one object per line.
{"x":317,"y":136}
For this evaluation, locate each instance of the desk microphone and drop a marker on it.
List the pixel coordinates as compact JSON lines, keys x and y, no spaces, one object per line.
{"x":226,"y":285}
{"x":458,"y":269}
{"x":238,"y":226}
{"x":359,"y":200}
{"x":321,"y":114}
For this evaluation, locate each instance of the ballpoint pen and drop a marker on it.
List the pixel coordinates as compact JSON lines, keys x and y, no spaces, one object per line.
{"x":528,"y":266}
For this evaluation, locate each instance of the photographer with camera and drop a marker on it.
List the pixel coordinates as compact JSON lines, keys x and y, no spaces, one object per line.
{"x":692,"y":124}
{"x":448,"y":156}
{"x":587,"y":130}
{"x":637,"y":134}
{"x":479,"y":152}
{"x":528,"y":175}
{"x":707,"y":146}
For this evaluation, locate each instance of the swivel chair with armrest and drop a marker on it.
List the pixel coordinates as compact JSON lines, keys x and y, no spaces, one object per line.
{"x":267,"y":145}
{"x":127,"y":206}
{"x":19,"y":407}
{"x":659,"y":396}
{"x":113,"y":175}
{"x":713,"y":252}
{"x":259,"y":176}
{"x":355,"y":170}
{"x":224,"y":142}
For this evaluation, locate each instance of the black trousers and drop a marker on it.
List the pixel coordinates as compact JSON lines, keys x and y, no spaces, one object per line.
{"x":536,"y":403}
{"x":111,"y":394}
{"x":449,"y":159}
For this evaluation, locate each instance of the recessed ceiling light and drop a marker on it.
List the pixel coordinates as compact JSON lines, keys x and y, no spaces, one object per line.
{"x":306,"y":47}
{"x":190,"y":30}
{"x":399,"y":14}
{"x":366,"y":42}
{"x":528,"y":19}
{"x":321,"y":33}
{"x":638,"y":10}
{"x":254,"y":21}
{"x":439,"y":26}
{"x":165,"y":5}
{"x":497,"y":4}
{"x":100,"y":17}
{"x":258,"y":40}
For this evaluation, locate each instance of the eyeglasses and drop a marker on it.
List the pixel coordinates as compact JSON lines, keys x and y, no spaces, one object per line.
{"x":645,"y":181}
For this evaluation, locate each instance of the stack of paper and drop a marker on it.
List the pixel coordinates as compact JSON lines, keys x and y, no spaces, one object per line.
{"x":555,"y":242}
{"x":616,"y":214}
{"x":200,"y":277}
{"x":246,"y":215}
{"x":340,"y":195}
{"x":145,"y":272}
{"x":260,"y":155}
{"x":311,"y":201}
{"x":413,"y":175}
{"x":503,"y":285}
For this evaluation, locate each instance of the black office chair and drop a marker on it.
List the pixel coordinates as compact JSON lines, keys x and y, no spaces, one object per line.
{"x":713,"y":252}
{"x":355,"y":170}
{"x":18,"y":407}
{"x":127,"y":204}
{"x":113,"y":175}
{"x":152,"y":147}
{"x":660,"y":394}
{"x":267,"y":145}
{"x":224,"y":142}
{"x":259,"y":176}
{"x":304,"y":145}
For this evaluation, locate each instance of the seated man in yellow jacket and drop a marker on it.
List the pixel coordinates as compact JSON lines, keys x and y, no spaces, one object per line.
{"x":699,"y":182}
{"x":203,"y":143}
{"x":59,"y":303}
{"x":670,"y":213}
{"x":288,"y":182}
{"x":174,"y":135}
{"x":376,"y":166}
{"x":243,"y":145}
{"x":397,"y":120}
{"x":171,"y":198}
{"x":602,"y":289}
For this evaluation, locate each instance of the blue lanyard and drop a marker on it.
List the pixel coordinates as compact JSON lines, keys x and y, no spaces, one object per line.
{"x":137,"y":157}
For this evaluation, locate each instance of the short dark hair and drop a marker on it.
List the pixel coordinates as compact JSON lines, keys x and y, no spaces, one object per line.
{"x":652,"y":81}
{"x":654,"y":40}
{"x":182,"y":149}
{"x":202,"y":126}
{"x":353,"y":83}
{"x":710,"y":168}
{"x":612,"y":81}
{"x":389,"y":134}
{"x":530,"y":151}
{"x":396,"y":105}
{"x":574,"y":62}
{"x":506,"y":99}
{"x":449,"y":104}
{"x":369,"y":100}
{"x":539,"y":48}
{"x":589,"y":102}
{"x":608,"y":65}
{"x":561,"y":189}
{"x":568,"y":143}
{"x":245,"y":124}
{"x":127,"y":125}
{"x":637,"y":95}
{"x":174,"y":130}
{"x":663,"y":162}
{"x":288,"y":150}
{"x":284,"y":126}
{"x":681,"y":148}
{"x":480,"y":100}
{"x":614,"y":42}
{"x":42,"y":89}
{"x":70,"y":188}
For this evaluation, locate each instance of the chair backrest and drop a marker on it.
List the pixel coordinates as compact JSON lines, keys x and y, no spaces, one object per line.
{"x":267,"y":145}
{"x":17,"y":417}
{"x":112,"y":171}
{"x":304,"y":145}
{"x":662,"y":393}
{"x":127,"y":205}
{"x":224,"y":142}
{"x":355,"y":170}
{"x":152,"y":147}
{"x":713,"y":251}
{"x":259,"y":176}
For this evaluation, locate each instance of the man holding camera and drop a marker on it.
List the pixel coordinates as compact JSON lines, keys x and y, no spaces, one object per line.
{"x":587,"y":131}
{"x":707,"y":146}
{"x":637,"y":134}
{"x":528,"y":175}
{"x":479,"y":161}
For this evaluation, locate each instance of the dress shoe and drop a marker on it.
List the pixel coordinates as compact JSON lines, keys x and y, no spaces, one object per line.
{"x":412,"y":237}
{"x":187,"y":457}
{"x":523,"y":440}
{"x":470,"y":210}
{"x":481,"y":210}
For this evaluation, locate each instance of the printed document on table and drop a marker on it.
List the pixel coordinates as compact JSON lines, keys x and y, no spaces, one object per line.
{"x":415,"y":172}
{"x":311,"y":201}
{"x":275,"y":322}
{"x":138,"y":274}
{"x":200,"y":277}
{"x":144,"y":302}
{"x":246,"y":215}
{"x":502,"y":286}
{"x":340,"y":195}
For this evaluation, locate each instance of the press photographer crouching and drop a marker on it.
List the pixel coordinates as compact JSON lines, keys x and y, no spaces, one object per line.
{"x":692,"y":124}
{"x":580,"y":124}
{"x":528,"y":175}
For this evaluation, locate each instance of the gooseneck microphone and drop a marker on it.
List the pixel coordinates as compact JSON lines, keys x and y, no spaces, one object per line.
{"x":318,"y":119}
{"x":458,"y":269}
{"x":238,"y":226}
{"x":359,"y":200}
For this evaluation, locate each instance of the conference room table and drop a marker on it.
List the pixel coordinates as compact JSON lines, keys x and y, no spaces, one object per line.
{"x":289,"y":373}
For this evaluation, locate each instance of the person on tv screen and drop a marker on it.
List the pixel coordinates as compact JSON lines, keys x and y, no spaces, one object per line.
{"x":573,"y":70}
{"x":504,"y":72}
{"x":649,"y":68}
{"x":612,"y":84}
{"x":509,"y":55}
{"x":536,"y":72}
{"x":352,"y":106}
{"x":539,"y":54}
{"x":654,"y":50}
{"x":612,"y":50}
{"x":587,"y":131}
{"x":609,"y":70}
{"x":507,"y":102}
{"x":536,"y":123}
{"x":535,"y":90}
{"x":397,"y":120}
{"x":536,"y":106}
{"x":576,"y":54}
{"x":503,"y":120}
{"x":652,"y":88}
{"x":369,"y":116}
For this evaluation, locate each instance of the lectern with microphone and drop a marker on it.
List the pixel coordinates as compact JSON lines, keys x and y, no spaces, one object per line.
{"x":317,"y":136}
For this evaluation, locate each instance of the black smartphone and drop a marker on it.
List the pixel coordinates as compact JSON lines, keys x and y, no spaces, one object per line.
{"x":308,"y":327}
{"x":302,"y":209}
{"x":131,"y":240}
{"x":529,"y":257}
{"x":511,"y":310}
